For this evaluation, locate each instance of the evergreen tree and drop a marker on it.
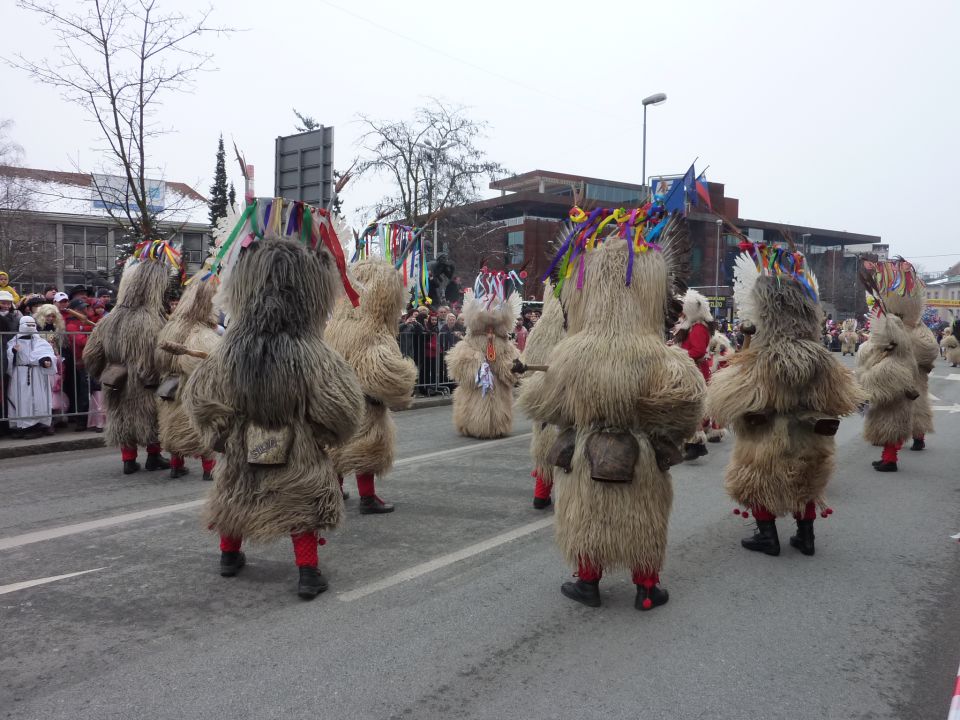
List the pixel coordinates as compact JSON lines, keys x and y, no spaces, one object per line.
{"x":232,"y":197}
{"x":218,"y":191}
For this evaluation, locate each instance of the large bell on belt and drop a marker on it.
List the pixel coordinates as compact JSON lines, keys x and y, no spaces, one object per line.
{"x":612,"y":455}
{"x":561,"y":453}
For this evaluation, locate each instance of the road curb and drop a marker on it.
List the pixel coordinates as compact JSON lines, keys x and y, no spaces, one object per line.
{"x":44,"y":447}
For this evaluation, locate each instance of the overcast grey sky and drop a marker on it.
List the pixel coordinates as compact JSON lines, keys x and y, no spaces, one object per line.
{"x":839,"y":114}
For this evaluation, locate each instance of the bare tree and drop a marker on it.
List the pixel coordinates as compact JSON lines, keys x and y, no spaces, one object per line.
{"x":432,"y":161}
{"x":24,"y":251}
{"x":117,"y":59}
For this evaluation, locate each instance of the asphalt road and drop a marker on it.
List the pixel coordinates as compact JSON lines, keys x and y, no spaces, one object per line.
{"x":450,"y":607}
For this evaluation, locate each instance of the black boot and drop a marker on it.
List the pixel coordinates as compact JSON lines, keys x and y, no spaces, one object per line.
{"x":883,"y":466}
{"x":918,"y":444}
{"x":765,"y":539}
{"x":176,"y":472}
{"x":207,"y":476}
{"x":648,"y":599}
{"x":372,"y":505}
{"x":130,"y":467}
{"x":692,"y":451}
{"x":231,"y":562}
{"x":541,"y":503}
{"x":585,"y":593}
{"x":312,"y":583}
{"x":803,"y":540}
{"x":156,"y":461}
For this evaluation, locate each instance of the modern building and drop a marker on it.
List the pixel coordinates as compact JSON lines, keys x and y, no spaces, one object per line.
{"x":521,"y":225}
{"x":943,"y":294}
{"x":59,"y":220}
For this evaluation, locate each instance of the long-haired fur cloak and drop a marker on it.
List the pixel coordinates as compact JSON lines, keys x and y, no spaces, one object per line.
{"x":128,"y":336}
{"x":474,"y":414}
{"x":614,"y":371}
{"x":541,"y":341}
{"x":887,"y":371}
{"x":951,"y":347}
{"x":273,"y":370}
{"x":193,"y":325}
{"x":783,"y":464}
{"x":366,"y":336}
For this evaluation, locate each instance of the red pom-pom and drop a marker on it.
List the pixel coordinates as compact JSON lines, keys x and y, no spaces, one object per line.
{"x":484,"y":269}
{"x":746,"y":514}
{"x":824,"y":514}
{"x":736,"y":511}
{"x":523,"y":274}
{"x":321,"y":541}
{"x":829,"y":511}
{"x":647,"y":603}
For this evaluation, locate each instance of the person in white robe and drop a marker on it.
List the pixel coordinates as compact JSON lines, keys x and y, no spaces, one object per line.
{"x":31,"y":367}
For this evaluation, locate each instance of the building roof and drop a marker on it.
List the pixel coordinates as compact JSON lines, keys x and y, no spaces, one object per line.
{"x":73,"y":193}
{"x":531,"y":181}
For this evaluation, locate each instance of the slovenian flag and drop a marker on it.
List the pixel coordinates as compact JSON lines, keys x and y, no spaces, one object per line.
{"x":703,"y":192}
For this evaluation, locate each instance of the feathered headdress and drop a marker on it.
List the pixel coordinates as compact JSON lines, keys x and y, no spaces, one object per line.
{"x":272,"y":218}
{"x":893,"y":277}
{"x":758,"y":260}
{"x":160,"y":251}
{"x":493,"y":288}
{"x":646,"y":229}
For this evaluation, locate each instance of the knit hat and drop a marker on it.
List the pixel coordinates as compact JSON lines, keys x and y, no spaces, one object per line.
{"x":4,"y":295}
{"x":27,"y":325}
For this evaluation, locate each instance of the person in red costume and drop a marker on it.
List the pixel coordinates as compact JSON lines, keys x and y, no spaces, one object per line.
{"x":693,"y":333}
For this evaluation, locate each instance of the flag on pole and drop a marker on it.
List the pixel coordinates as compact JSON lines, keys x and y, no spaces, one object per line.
{"x":703,"y":191}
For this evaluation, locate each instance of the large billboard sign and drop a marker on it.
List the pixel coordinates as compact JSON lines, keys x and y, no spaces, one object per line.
{"x":110,"y":192}
{"x":304,"y":167}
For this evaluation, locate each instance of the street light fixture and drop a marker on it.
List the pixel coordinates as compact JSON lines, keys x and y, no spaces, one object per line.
{"x":716,"y":274}
{"x":655,"y":99}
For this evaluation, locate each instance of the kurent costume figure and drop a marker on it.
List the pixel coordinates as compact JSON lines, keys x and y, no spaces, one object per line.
{"x":849,"y":337}
{"x":31,"y":364}
{"x":783,"y":396}
{"x":193,"y":328}
{"x":121,"y":355}
{"x":887,"y":370}
{"x":903,"y":295}
{"x":481,"y":364}
{"x":273,"y":395}
{"x":622,"y":400}
{"x":693,"y":334}
{"x":541,"y":342}
{"x":721,"y":350}
{"x":951,"y":344}
{"x":366,"y":336}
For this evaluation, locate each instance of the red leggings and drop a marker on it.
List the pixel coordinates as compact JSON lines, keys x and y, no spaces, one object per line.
{"x":542,"y":487}
{"x":130,"y":453}
{"x":890,"y":451}
{"x":764,"y":515}
{"x":177,"y":461}
{"x":588,"y":572}
{"x":304,"y":547}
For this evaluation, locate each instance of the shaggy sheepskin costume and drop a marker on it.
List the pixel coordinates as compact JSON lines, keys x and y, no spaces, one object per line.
{"x":783,"y":397}
{"x":901,"y":291}
{"x":194,"y":326}
{"x":125,"y":340}
{"x":481,"y":364}
{"x":275,"y":396}
{"x":541,"y":341}
{"x":623,"y":402}
{"x":366,"y":336}
{"x":950,"y":344}
{"x":849,"y":337}
{"x":693,"y":333}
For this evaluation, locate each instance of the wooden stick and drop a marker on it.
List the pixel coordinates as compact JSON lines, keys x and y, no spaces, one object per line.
{"x":177,"y":349}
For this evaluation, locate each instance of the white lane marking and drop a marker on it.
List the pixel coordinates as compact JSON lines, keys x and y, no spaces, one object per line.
{"x":4,"y":589}
{"x":64,"y":530}
{"x":486,"y":444}
{"x":953,"y":376}
{"x":952,"y":409}
{"x":444,"y":560}
{"x":933,"y":397}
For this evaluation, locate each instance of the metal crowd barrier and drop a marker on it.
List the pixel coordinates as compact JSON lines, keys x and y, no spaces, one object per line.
{"x":428,"y":352}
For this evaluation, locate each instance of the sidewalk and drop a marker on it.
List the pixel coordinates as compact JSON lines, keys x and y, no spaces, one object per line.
{"x":66,"y":440}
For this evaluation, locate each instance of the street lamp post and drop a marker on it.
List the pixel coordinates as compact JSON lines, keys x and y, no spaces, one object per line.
{"x":716,"y":273}
{"x":656,"y":99}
